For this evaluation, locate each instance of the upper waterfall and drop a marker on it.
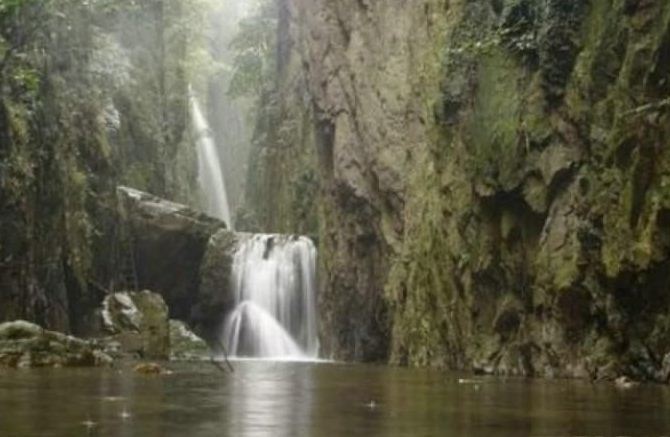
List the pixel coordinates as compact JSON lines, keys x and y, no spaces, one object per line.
{"x":274,"y":282}
{"x":210,"y":172}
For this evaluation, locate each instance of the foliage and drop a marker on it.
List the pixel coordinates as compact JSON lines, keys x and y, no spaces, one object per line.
{"x":9,"y":6}
{"x":254,"y":47}
{"x":91,"y":93}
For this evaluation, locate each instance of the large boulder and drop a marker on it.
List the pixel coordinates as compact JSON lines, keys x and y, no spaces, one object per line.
{"x":24,"y":345}
{"x":138,"y":322}
{"x":168,"y":243}
{"x":183,"y":255}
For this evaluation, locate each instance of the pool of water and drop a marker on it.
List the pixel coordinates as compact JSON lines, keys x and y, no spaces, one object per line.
{"x":318,"y":399}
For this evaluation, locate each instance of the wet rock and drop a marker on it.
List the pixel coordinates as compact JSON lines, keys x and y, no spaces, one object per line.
{"x":151,"y":369}
{"x":25,"y":345}
{"x":185,"y":345}
{"x":184,"y":256}
{"x":120,"y":314}
{"x":137,"y":323}
{"x":215,"y":296}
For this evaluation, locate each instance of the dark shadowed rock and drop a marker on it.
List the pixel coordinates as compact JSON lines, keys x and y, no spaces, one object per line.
{"x":183,"y":255}
{"x":169,"y":241}
{"x":215,"y":296}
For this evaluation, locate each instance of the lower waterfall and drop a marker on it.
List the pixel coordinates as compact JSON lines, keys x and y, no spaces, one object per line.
{"x":274,"y":282}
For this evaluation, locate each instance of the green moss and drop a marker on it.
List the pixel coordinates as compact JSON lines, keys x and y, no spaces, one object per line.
{"x":17,"y":119}
{"x":532,"y":197}
{"x":493,"y":134}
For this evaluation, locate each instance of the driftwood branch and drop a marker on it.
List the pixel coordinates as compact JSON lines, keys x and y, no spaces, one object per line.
{"x":218,"y":364}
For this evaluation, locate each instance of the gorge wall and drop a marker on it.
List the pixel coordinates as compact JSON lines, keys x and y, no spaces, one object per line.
{"x":92,"y":95}
{"x":492,"y":180}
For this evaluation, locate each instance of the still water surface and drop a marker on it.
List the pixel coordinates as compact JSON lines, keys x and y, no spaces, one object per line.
{"x":308,"y":399}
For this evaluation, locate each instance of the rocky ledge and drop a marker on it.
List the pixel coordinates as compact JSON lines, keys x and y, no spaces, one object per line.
{"x":24,"y":344}
{"x":133,"y":325}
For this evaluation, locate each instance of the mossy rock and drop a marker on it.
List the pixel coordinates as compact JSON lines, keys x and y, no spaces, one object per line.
{"x":138,"y":321}
{"x":26,"y":345}
{"x":185,"y":345}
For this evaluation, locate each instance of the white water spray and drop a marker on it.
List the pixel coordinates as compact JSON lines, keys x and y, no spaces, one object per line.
{"x":210,"y":174}
{"x":274,"y":282}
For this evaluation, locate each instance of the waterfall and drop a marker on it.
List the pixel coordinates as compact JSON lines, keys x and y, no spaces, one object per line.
{"x":274,"y":283}
{"x":210,"y":173}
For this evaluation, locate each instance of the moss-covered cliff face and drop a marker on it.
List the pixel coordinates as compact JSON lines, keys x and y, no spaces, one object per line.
{"x":493,"y":177}
{"x":92,"y":95}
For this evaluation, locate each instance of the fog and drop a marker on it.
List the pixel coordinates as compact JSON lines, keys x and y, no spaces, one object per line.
{"x":228,"y":117}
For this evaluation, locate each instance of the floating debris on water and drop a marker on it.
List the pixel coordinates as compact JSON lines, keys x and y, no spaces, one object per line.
{"x":89,"y":424}
{"x":467,"y":381}
{"x":151,"y":369}
{"x":625,"y":383}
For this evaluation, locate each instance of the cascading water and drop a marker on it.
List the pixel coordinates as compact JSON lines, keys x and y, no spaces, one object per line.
{"x":274,"y":283}
{"x":210,"y":174}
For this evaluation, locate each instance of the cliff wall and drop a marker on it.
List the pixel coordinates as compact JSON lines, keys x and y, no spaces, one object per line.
{"x":493,"y":180}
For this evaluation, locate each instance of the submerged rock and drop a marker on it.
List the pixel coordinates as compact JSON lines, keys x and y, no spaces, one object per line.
{"x":151,"y":369}
{"x":25,"y":345}
{"x":184,"y":344}
{"x":137,"y":323}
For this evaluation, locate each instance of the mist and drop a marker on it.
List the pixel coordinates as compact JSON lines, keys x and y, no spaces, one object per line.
{"x":334,"y":217}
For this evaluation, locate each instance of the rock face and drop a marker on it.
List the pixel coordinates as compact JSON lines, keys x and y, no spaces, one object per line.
{"x":493,"y":178}
{"x":138,"y":321}
{"x":24,"y":344}
{"x":215,"y":296}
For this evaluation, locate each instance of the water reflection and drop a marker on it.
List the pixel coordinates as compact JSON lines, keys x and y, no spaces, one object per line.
{"x":271,"y":399}
{"x":306,"y":399}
